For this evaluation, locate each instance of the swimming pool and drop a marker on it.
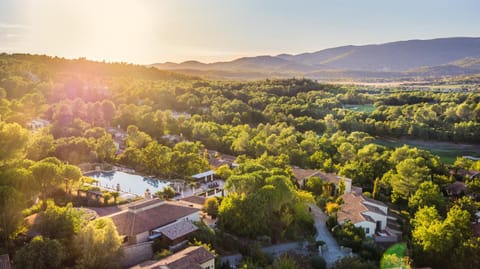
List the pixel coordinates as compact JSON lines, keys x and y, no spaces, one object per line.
{"x":131,"y":183}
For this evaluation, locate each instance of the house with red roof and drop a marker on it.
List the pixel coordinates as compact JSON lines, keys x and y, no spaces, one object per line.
{"x":194,"y":257}
{"x":138,"y":223}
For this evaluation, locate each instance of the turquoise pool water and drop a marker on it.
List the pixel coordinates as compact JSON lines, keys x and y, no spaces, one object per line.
{"x":128,"y":182}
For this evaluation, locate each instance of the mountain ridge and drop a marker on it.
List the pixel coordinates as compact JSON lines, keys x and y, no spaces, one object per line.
{"x":406,"y":58}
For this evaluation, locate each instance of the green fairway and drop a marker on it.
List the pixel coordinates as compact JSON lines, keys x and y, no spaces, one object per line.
{"x":369,"y":108}
{"x":447,"y":151}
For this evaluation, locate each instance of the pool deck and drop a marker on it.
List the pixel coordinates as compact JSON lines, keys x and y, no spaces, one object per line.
{"x":178,"y":185}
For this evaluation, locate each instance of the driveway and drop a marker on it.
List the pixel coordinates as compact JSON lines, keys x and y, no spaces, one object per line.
{"x":333,"y":251}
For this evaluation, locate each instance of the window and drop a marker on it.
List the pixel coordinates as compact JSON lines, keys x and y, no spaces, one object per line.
{"x":367,"y":230}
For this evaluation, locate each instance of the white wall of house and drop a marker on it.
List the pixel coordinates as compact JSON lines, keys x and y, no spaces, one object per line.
{"x":368,"y":227}
{"x":209,"y":264}
{"x":348,"y":185}
{"x":195,"y":216}
{"x":377,"y":217}
{"x":142,"y":237}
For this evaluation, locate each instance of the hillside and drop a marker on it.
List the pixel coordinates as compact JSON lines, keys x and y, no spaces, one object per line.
{"x":402,"y":59}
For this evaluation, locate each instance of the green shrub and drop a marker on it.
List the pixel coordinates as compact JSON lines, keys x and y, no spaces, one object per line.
{"x":162,"y":254}
{"x":318,"y":262}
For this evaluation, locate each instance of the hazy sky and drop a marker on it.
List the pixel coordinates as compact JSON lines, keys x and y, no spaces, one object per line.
{"x":148,"y":31}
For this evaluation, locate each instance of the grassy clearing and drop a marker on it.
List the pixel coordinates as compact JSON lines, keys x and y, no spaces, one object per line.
{"x":369,"y":108}
{"x":447,"y":151}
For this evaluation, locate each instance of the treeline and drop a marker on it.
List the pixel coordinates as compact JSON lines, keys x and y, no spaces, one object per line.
{"x":169,"y":121}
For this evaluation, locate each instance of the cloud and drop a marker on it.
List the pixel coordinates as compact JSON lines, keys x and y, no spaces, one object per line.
{"x":11,"y":35}
{"x":12,"y":26}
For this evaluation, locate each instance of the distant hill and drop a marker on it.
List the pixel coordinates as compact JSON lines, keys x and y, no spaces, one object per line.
{"x":403,"y":59}
{"x":61,"y":66}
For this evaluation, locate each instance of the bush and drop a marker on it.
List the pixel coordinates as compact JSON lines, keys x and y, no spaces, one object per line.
{"x":331,"y":222}
{"x":349,"y":236}
{"x":321,"y":203}
{"x":353,"y":263}
{"x":162,"y":254}
{"x":159,"y":245}
{"x":370,"y":250}
{"x":34,"y":209}
{"x":318,"y":262}
{"x":253,"y":252}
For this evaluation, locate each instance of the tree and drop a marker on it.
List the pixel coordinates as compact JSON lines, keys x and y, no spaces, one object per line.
{"x":347,"y":151}
{"x":376,"y":188}
{"x":106,"y":197}
{"x":60,"y":223}
{"x":40,"y":147}
{"x":99,"y":245}
{"x":106,"y":148}
{"x":211,"y":207}
{"x":468,"y":204}
{"x":13,"y":139}
{"x":442,"y":243}
{"x":11,"y":205}
{"x":40,"y":253}
{"x":314,"y":184}
{"x":341,"y":187}
{"x":47,"y":176}
{"x":108,"y":111}
{"x":115,"y":196}
{"x":428,"y":194}
{"x":350,"y":236}
{"x":223,"y":172}
{"x":410,"y":173}
{"x":166,"y":193}
{"x":71,"y":175}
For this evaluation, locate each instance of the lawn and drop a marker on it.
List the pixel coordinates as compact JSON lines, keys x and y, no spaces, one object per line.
{"x":447,"y":151}
{"x":369,"y":108}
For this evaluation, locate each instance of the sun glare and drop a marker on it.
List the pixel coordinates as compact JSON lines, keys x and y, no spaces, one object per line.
{"x":101,"y":30}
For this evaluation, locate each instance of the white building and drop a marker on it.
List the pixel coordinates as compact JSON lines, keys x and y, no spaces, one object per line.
{"x":369,"y":214}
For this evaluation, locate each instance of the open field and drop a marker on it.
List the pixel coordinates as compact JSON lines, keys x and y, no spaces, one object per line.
{"x":368,"y":108}
{"x":447,"y":151}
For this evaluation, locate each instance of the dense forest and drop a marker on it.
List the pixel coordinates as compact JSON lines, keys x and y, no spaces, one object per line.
{"x":270,"y":124}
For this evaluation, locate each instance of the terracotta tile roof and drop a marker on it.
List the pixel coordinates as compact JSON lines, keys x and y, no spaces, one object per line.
{"x":300,"y":174}
{"x":357,"y":190}
{"x":218,"y":159}
{"x":104,"y":211}
{"x":373,"y":201}
{"x":178,"y":229}
{"x":132,"y":222}
{"x":194,"y":199}
{"x":353,"y":208}
{"x":189,"y":258}
{"x":456,"y":187}
{"x":143,"y":203}
{"x":374,"y":209}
